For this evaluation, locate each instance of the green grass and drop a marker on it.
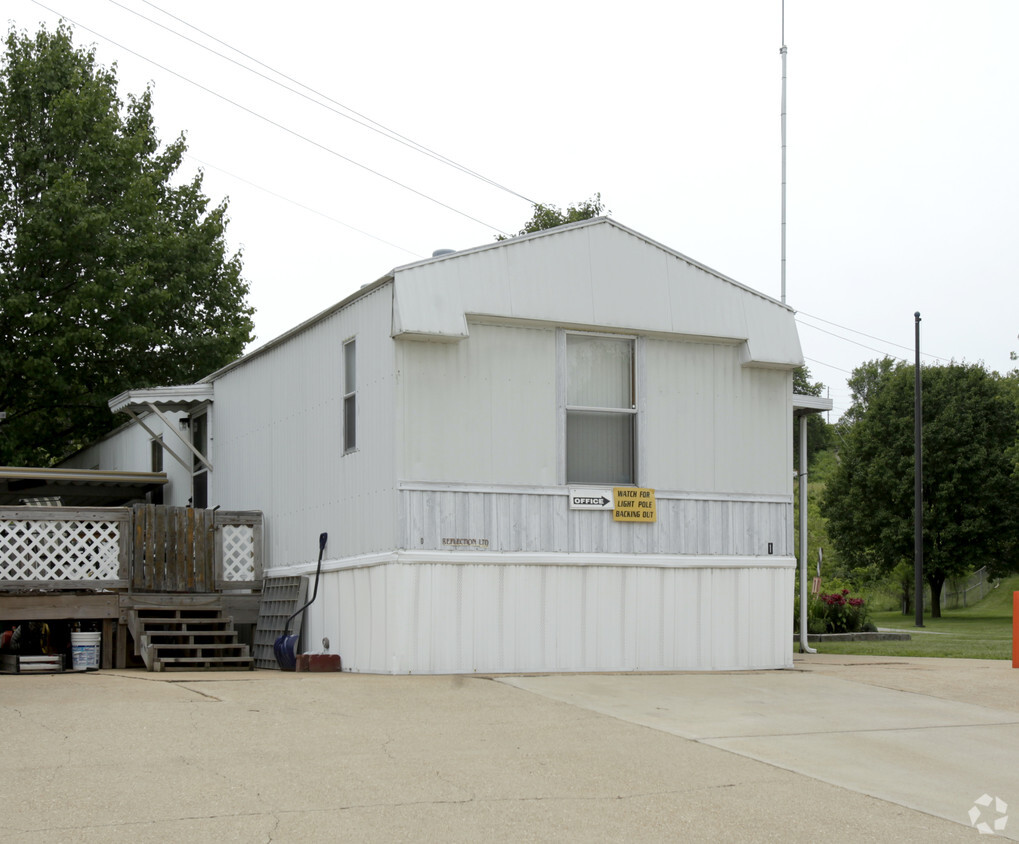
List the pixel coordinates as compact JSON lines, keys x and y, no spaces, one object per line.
{"x":982,"y":631}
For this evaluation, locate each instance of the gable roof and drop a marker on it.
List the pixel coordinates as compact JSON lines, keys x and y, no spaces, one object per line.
{"x":637,"y":284}
{"x":596,"y":274}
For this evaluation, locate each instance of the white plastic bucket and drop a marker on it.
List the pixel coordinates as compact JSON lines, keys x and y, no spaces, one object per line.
{"x":85,"y":651}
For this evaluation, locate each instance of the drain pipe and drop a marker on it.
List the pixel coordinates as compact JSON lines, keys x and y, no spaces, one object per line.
{"x":804,"y":647}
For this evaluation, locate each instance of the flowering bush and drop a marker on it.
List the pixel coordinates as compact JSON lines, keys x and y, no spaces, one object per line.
{"x":839,"y":613}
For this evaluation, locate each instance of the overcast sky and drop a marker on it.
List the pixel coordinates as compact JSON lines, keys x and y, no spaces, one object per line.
{"x":903,"y":144}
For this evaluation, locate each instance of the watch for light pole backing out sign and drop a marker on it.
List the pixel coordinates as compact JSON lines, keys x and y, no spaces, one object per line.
{"x":627,"y":503}
{"x":633,"y":504}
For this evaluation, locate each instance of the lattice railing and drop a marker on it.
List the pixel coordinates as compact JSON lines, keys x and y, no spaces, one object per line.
{"x":238,"y":552}
{"x":239,"y":535}
{"x":62,"y":547}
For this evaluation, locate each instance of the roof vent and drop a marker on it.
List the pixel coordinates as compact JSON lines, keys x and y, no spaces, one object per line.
{"x":438,"y":253}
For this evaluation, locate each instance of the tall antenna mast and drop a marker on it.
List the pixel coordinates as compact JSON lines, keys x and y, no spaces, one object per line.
{"x":784,"y":53}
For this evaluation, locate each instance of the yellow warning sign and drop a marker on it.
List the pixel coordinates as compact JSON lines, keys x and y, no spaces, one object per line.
{"x":633,"y":504}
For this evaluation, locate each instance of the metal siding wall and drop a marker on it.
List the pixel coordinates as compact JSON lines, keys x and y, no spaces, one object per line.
{"x":481,"y":410}
{"x":278,"y":438}
{"x":128,"y":449}
{"x":440,"y":618}
{"x":713,"y":425}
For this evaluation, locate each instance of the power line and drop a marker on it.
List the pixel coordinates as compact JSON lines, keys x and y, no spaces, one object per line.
{"x":305,"y":207}
{"x":862,"y":334}
{"x":353,"y":115}
{"x":829,"y":365}
{"x":864,"y":345}
{"x":847,"y":339}
{"x":272,"y":122}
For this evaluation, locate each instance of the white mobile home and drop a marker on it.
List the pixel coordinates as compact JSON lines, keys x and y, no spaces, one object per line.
{"x":471,"y":430}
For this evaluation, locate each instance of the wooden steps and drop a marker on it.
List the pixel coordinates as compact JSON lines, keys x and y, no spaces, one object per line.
{"x":187,"y":638}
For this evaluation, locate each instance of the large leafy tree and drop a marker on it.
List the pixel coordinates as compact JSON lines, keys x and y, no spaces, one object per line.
{"x":969,"y":489}
{"x":864,"y":382}
{"x":112,"y":273}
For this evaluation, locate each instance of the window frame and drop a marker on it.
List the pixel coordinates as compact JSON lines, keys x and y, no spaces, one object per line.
{"x":156,"y":454}
{"x":635,"y":411}
{"x":348,"y":404}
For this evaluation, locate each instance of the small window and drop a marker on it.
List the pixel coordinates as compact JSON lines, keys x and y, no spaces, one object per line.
{"x":601,"y":409}
{"x":349,"y":396}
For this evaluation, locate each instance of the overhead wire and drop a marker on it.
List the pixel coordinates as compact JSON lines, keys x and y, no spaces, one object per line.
{"x":862,"y":334}
{"x":305,"y":207}
{"x":379,"y":128}
{"x":829,"y":365}
{"x":272,"y":122}
{"x":855,"y":342}
{"x":847,"y":339}
{"x":353,"y":115}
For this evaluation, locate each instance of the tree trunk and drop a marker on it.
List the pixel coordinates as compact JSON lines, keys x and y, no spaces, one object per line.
{"x":935,"y":581}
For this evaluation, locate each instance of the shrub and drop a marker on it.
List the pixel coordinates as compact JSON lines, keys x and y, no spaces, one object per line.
{"x":839,"y":612}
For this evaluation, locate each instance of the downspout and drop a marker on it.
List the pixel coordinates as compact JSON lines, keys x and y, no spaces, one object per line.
{"x":804,"y":647}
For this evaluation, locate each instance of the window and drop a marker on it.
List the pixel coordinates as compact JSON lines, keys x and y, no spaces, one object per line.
{"x":349,"y":396}
{"x":601,"y":409}
{"x":199,"y":471}
{"x":157,"y":455}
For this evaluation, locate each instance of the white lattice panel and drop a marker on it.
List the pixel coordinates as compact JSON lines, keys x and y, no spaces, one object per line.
{"x":238,"y":552}
{"x":59,"y":550}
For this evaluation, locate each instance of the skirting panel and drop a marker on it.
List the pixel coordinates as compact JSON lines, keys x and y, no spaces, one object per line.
{"x":440,"y":618}
{"x":516,"y":521}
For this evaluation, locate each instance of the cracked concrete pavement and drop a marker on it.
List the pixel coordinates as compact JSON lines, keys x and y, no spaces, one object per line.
{"x":838,"y":749}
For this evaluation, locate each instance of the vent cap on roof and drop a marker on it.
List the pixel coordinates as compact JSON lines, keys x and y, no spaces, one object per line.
{"x":438,"y":253}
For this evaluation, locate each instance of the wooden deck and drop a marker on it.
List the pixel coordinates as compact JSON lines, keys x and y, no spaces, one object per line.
{"x":104,"y":566}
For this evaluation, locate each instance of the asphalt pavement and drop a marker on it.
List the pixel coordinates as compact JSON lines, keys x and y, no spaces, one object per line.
{"x":839,"y":748}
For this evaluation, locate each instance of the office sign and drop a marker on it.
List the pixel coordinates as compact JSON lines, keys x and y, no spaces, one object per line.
{"x":591,"y":499}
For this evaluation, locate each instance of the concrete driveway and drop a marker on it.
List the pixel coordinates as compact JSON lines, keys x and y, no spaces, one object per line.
{"x":839,"y":749}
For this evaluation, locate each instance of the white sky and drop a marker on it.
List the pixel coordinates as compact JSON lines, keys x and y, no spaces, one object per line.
{"x":903,"y":144}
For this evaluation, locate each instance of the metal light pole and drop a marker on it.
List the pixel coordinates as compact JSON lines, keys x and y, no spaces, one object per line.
{"x":918,"y":481}
{"x":784,"y":53}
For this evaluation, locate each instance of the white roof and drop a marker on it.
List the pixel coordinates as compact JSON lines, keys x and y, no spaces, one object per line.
{"x":172,"y":399}
{"x":811,"y":404}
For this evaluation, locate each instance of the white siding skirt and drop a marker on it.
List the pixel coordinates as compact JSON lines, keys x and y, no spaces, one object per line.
{"x":466,"y":612}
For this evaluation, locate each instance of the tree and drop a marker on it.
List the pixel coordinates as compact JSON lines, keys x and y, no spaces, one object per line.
{"x":111,"y":277}
{"x":549,"y":216}
{"x":969,"y":490}
{"x":865,"y":381}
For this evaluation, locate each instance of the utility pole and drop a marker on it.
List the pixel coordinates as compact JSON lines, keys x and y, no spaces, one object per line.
{"x":918,"y":480}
